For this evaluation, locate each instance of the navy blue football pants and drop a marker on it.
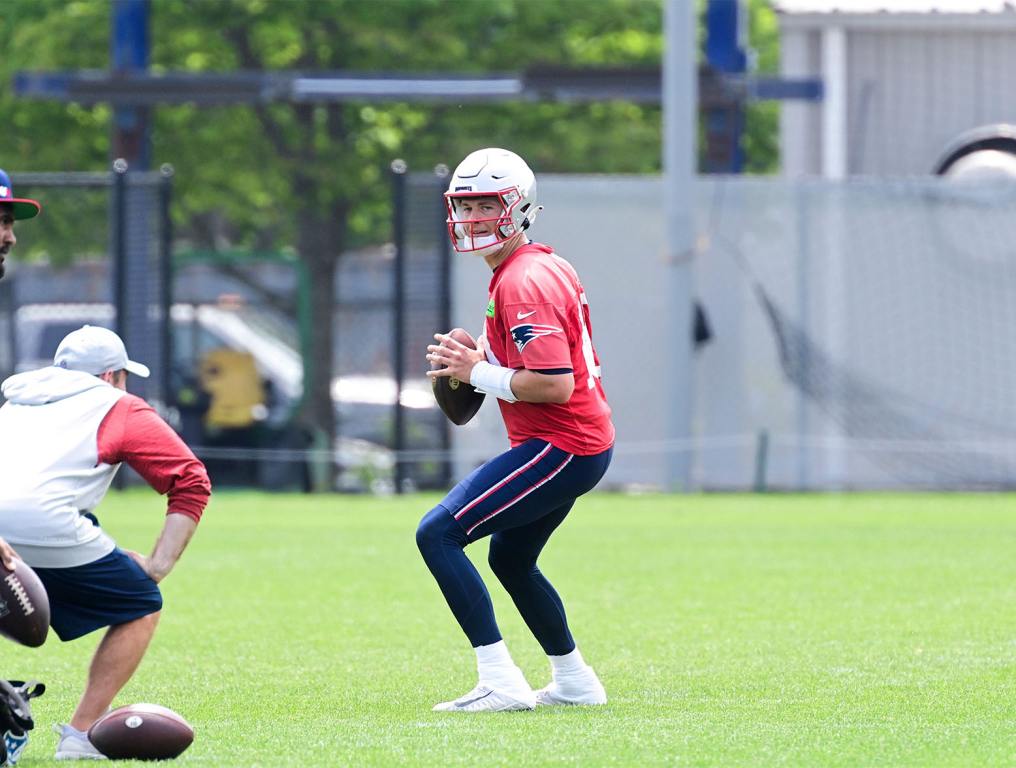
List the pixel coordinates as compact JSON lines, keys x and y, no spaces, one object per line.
{"x":518,"y":499}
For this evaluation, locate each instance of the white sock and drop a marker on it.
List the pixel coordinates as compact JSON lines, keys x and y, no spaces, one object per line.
{"x":569,"y":664}
{"x":493,"y":655}
{"x":496,"y":666}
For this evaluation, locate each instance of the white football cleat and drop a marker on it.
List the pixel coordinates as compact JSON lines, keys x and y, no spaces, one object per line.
{"x":486,"y":699}
{"x":74,"y":745}
{"x":584,"y":688}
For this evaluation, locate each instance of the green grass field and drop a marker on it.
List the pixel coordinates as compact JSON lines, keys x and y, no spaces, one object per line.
{"x":729,"y":630}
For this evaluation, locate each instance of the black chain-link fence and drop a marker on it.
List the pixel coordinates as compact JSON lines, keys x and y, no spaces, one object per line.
{"x":422,"y":306}
{"x":97,"y":254}
{"x":245,"y":345}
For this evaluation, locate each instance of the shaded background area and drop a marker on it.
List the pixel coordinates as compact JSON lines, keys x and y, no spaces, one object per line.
{"x":285,"y":274}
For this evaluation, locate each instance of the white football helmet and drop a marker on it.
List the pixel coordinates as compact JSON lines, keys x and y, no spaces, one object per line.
{"x":491,"y":172}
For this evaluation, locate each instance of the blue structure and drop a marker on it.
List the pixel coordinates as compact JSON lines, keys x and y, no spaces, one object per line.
{"x":726,"y":33}
{"x":129,"y":53}
{"x":726,"y":54}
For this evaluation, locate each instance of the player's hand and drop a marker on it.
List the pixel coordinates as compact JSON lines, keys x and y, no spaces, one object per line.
{"x":143,"y":561}
{"x":7,"y":555}
{"x":457,"y":360}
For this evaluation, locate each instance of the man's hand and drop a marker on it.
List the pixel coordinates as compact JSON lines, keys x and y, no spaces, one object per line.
{"x":7,"y":555}
{"x":176,"y":532}
{"x":458,"y":359}
{"x":141,"y":560}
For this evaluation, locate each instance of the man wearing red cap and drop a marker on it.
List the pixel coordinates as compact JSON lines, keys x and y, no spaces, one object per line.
{"x":11,"y":210}
{"x":12,"y":742}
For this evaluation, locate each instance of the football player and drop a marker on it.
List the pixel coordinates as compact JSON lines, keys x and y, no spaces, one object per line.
{"x":536,"y":357}
{"x":67,"y":430}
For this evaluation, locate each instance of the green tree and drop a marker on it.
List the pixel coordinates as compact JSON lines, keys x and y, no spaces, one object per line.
{"x":48,"y":135}
{"x":761,"y":135}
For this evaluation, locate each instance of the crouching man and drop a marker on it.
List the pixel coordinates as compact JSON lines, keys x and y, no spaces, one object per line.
{"x":66,"y":430}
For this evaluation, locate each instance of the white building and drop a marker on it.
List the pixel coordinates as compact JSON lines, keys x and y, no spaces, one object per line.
{"x":902,"y":79}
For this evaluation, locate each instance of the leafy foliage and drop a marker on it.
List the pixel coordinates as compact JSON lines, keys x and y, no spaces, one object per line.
{"x":761,"y":133}
{"x":234,"y":184}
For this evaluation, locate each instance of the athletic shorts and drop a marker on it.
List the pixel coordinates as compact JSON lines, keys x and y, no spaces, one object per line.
{"x":522,"y":485}
{"x":109,"y":591}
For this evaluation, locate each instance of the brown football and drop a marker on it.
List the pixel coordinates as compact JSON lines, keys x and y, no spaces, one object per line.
{"x":457,"y":399}
{"x":141,"y":732}
{"x":24,"y":606}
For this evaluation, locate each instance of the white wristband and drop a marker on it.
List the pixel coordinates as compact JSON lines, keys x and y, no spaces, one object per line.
{"x":493,"y":380}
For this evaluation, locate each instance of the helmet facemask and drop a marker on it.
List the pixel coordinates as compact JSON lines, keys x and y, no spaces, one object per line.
{"x":494,"y":231}
{"x":497,"y":175}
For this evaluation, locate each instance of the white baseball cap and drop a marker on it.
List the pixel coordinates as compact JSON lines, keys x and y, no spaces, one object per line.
{"x":95,"y":350}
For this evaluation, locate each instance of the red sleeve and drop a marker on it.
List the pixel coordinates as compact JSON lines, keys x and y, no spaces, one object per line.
{"x":133,"y":432}
{"x":539,"y":338}
{"x":533,"y":312}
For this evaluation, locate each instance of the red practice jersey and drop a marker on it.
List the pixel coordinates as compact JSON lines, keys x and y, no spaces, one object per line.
{"x":133,"y":432}
{"x":538,"y":318}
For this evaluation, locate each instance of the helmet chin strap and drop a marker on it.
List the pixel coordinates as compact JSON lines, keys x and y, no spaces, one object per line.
{"x":483,"y":245}
{"x":494,"y":248}
{"x":488,"y":250}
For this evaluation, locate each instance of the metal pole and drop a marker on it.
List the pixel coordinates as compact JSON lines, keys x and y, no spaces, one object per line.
{"x":834,"y":106}
{"x":680,"y":117}
{"x":802,"y":210}
{"x":832,"y":263}
{"x":119,"y":245}
{"x":726,"y":52}
{"x":166,"y":283}
{"x":761,"y":484}
{"x":445,"y":309}
{"x":119,"y":249}
{"x":129,"y":53}
{"x":399,"y":315}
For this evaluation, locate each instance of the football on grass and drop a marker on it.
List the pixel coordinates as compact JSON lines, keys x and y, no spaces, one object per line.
{"x":457,"y":399}
{"x":24,"y":606}
{"x":141,"y":732}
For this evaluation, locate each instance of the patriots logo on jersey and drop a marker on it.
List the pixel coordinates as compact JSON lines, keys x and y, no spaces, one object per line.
{"x":525,"y":333}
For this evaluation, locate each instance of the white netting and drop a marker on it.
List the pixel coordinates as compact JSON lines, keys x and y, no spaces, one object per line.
{"x":892,"y":307}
